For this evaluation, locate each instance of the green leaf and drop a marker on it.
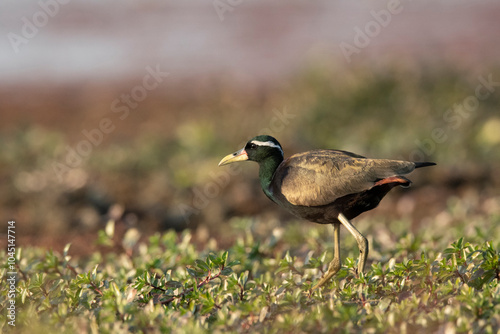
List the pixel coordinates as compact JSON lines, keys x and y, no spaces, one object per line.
{"x":192,"y":272}
{"x":233,"y":263}
{"x":202,"y":265}
{"x":173,"y":284}
{"x":226,"y":271}
{"x":110,"y":228}
{"x":66,"y":249}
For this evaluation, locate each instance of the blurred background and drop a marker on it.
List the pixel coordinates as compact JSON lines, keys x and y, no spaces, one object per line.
{"x":122,"y":110}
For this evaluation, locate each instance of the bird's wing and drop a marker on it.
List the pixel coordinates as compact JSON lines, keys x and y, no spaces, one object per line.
{"x":319,"y":177}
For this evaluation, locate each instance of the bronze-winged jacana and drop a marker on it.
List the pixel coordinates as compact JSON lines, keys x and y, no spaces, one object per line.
{"x":325,"y":186}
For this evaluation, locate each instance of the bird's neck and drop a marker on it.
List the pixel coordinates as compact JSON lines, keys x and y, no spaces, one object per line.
{"x":267,"y":168}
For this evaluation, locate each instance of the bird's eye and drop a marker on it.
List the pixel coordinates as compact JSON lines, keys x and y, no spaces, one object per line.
{"x":253,"y":146}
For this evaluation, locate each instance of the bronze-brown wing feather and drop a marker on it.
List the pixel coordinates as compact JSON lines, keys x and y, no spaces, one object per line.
{"x":320,"y":177}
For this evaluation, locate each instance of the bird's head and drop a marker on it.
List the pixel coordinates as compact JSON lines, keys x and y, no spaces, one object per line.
{"x":256,"y":149}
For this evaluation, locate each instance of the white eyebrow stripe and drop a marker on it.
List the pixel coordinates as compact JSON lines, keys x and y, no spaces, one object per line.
{"x":268,"y":143}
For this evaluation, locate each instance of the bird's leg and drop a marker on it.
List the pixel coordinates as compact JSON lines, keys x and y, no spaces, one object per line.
{"x":362,"y":242}
{"x":334,"y":266}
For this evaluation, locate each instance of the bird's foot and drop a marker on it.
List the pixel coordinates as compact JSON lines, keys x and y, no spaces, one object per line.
{"x":322,"y":282}
{"x":333,"y":268}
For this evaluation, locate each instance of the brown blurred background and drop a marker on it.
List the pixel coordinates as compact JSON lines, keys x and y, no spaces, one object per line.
{"x":123,"y":109}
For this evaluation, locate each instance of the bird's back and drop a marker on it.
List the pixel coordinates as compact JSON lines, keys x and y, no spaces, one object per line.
{"x":322,"y":178}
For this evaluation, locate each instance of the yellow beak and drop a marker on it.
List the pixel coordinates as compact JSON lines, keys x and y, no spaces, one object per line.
{"x":240,"y":155}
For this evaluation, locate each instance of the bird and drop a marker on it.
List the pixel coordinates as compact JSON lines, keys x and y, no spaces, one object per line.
{"x":325,"y":186}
